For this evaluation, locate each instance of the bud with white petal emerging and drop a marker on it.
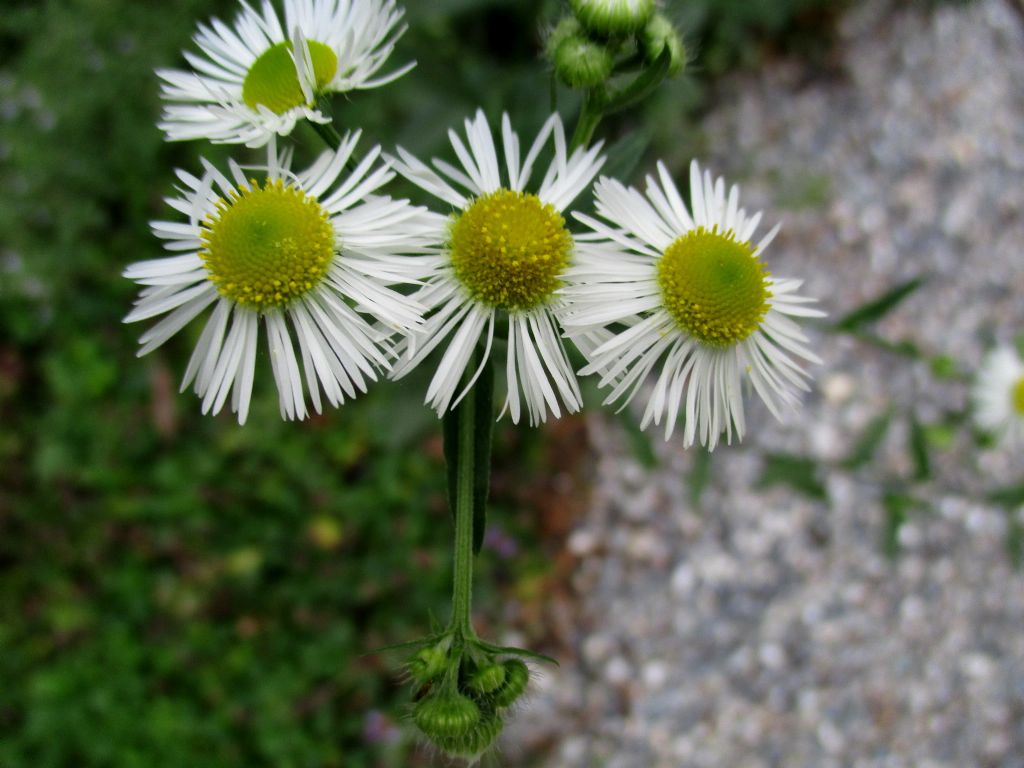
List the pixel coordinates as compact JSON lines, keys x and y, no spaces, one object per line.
{"x":613,"y":18}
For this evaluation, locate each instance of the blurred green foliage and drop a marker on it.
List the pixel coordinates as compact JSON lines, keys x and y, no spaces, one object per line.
{"x":176,"y":590}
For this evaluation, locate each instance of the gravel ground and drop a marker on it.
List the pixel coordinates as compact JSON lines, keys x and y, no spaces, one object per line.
{"x":759,"y":627}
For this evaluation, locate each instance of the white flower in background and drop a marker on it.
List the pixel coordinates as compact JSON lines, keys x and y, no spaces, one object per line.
{"x":256,"y":79}
{"x":999,"y":396}
{"x":503,"y":252}
{"x":305,"y":255}
{"x":686,"y":294}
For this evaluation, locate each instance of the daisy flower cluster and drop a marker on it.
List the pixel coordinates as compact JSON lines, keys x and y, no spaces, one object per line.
{"x":315,"y":260}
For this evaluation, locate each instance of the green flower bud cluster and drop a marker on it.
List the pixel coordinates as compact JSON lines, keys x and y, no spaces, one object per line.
{"x":604,"y":37}
{"x":462,"y":692}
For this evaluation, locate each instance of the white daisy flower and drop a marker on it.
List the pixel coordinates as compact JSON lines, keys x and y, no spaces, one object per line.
{"x":998,"y":396}
{"x":257,"y":79}
{"x":686,"y":289}
{"x":503,"y":251}
{"x":304,"y":254}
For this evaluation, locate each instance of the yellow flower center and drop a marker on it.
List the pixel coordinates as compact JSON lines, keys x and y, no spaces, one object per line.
{"x":268,"y":245}
{"x":508,"y":248}
{"x":714,"y":287}
{"x":273,"y":81}
{"x":1017,"y":397}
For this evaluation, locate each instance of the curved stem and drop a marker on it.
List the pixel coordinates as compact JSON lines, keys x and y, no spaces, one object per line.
{"x":589,"y":119}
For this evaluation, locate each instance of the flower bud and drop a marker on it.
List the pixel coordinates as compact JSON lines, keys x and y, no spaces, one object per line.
{"x":487,"y":678}
{"x":517,"y":675}
{"x":474,"y":742}
{"x":659,"y":34}
{"x":566,"y":28}
{"x":445,"y":716}
{"x":427,"y":664}
{"x":582,"y":63}
{"x":613,"y":18}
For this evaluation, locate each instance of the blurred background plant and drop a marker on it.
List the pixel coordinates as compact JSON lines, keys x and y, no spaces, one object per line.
{"x":179,"y":591}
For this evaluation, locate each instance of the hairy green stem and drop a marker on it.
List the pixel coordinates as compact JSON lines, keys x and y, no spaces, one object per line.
{"x":462,"y":577}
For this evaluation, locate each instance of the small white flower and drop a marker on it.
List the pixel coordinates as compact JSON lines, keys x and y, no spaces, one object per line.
{"x":257,"y":79}
{"x":998,"y":396}
{"x":688,"y":291}
{"x":503,"y":252}
{"x":307,"y":255}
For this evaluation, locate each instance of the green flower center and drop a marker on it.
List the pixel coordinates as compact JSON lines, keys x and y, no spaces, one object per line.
{"x":1017,"y":397}
{"x":273,"y":82}
{"x":508,"y":248}
{"x":714,"y":287}
{"x":268,"y":245}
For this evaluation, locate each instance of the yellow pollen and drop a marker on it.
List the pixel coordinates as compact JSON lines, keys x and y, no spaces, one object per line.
{"x":268,"y":245}
{"x":508,"y":248}
{"x":273,"y":82}
{"x":1017,"y":397}
{"x":714,"y":287}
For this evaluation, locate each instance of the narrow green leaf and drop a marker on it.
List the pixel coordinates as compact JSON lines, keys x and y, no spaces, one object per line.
{"x":625,"y":155}
{"x":897,"y":507}
{"x":869,"y":442}
{"x":484,"y":425}
{"x":876,"y":309}
{"x":1011,"y":496}
{"x":700,"y":475}
{"x":919,"y":452}
{"x":797,"y":472}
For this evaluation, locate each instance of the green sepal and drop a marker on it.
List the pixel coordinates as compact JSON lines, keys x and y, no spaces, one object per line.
{"x":482,"y":403}
{"x":423,"y":641}
{"x":511,"y":650}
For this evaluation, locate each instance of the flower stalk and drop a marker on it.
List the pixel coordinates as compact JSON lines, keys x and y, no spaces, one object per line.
{"x":464,"y":502}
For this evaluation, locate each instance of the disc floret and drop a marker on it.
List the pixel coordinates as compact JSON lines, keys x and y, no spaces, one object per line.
{"x":714,"y":286}
{"x":273,"y":81}
{"x":267,"y":245}
{"x":508,"y":249}
{"x":1017,"y":397}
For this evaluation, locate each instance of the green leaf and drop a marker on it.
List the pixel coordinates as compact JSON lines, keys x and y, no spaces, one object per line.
{"x":700,"y":475}
{"x":1010,"y":496}
{"x":625,"y":154}
{"x":869,"y":442}
{"x":876,"y":309}
{"x":897,"y":507}
{"x":482,"y":403}
{"x":798,"y":472}
{"x":919,"y":445}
